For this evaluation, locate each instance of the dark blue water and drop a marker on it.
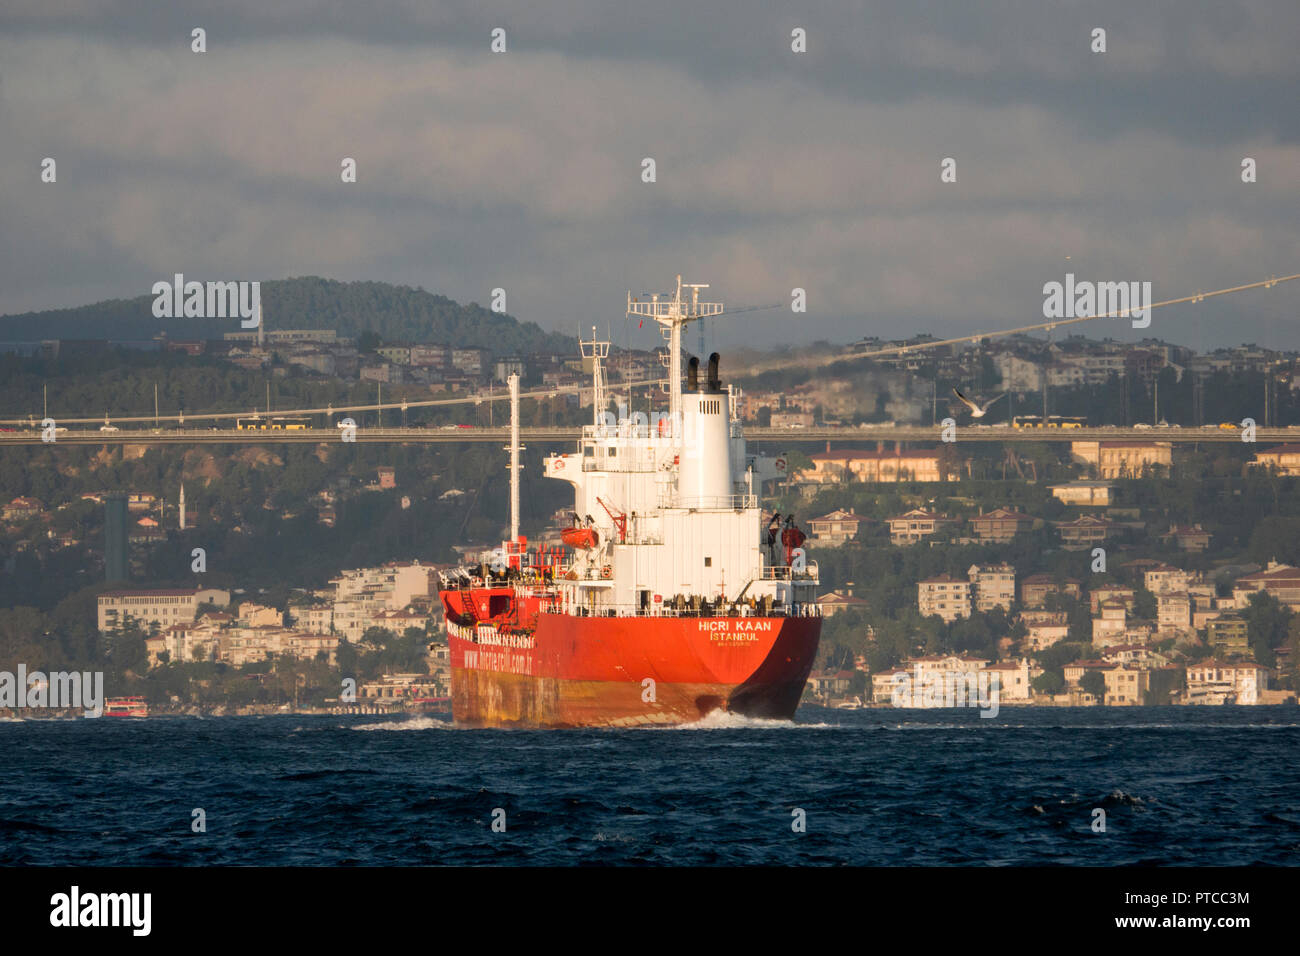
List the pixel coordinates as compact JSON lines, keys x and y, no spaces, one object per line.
{"x":1208,"y":786}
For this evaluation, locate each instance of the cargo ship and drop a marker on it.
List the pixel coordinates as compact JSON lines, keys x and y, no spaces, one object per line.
{"x":670,"y":595}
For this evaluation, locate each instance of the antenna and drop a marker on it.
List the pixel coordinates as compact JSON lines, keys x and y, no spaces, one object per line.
{"x":673,"y":314}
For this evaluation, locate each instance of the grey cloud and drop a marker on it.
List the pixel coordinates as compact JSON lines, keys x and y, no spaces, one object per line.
{"x":774,"y":170}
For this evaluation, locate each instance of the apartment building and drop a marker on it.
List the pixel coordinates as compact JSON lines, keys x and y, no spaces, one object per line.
{"x":158,"y":607}
{"x":1174,"y":612}
{"x":1111,"y":592}
{"x":1190,"y":538}
{"x":1219,"y":682}
{"x":945,"y":596}
{"x":1084,"y":532}
{"x":834,"y":529}
{"x":1035,"y":588}
{"x":992,"y":585}
{"x":1015,"y":679}
{"x":1280,"y":580}
{"x":1229,"y":636}
{"x":1109,"y":623}
{"x":1165,"y":577}
{"x":1284,"y":458}
{"x":1124,"y":459}
{"x":912,"y":526}
{"x":1000,"y":525}
{"x":360,"y":595}
{"x":1086,"y":494}
{"x":834,"y":467}
{"x":1044,"y":628}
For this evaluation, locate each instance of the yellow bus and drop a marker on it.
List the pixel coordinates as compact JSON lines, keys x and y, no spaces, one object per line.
{"x":275,"y":423}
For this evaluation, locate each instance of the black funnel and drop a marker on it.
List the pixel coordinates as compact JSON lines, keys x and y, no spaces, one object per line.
{"x":693,"y":375}
{"x":715,"y":384}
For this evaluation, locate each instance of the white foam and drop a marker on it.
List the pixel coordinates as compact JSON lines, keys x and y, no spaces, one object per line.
{"x":412,"y":723}
{"x":726,"y":720}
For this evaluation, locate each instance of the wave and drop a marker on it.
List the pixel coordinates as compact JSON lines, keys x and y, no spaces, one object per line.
{"x":726,"y":720}
{"x":411,"y":723}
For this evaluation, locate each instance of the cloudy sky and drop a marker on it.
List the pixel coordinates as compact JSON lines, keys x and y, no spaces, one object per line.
{"x":774,"y":169}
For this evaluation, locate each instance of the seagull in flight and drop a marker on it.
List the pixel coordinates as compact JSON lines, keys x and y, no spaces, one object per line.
{"x":976,"y":411}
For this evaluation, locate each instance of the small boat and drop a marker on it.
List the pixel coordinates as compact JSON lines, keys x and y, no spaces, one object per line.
{"x":126,"y":707}
{"x":582,"y":538}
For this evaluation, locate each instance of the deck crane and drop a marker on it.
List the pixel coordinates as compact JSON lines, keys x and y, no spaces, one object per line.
{"x":619,"y":519}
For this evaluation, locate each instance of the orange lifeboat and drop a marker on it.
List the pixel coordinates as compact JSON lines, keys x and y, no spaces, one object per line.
{"x":582,"y":538}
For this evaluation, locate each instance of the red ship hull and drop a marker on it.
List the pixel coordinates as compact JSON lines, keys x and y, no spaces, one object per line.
{"x":631,"y":671}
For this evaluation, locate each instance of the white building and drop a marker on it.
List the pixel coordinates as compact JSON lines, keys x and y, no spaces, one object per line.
{"x":992,"y":585}
{"x":1215,"y":682}
{"x":1014,"y":679}
{"x":945,"y":596}
{"x":161,"y":607}
{"x":361,"y":594}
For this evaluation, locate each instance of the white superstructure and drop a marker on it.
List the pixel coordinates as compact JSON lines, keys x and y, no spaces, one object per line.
{"x":674,"y":499}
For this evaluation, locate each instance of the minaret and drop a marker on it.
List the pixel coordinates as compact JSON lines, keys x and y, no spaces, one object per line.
{"x":182,"y":505}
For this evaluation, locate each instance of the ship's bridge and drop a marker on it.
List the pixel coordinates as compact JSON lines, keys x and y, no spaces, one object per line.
{"x":628,"y":447}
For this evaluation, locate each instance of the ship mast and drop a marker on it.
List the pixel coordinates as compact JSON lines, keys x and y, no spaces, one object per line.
{"x":514,"y":457}
{"x":673,"y":314}
{"x":596,"y":351}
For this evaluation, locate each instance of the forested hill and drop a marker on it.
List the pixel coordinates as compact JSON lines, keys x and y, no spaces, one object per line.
{"x":395,"y":313}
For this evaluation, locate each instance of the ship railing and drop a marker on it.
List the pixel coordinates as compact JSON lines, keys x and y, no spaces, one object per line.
{"x":630,"y":464}
{"x":721,"y":609}
{"x":709,"y":502}
{"x":779,"y":572}
{"x":660,"y":431}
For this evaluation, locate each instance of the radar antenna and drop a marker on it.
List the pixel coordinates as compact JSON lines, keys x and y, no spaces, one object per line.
{"x":673,"y":314}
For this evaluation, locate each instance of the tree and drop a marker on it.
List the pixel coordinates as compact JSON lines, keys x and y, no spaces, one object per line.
{"x":346,"y":657}
{"x":1049,"y":682}
{"x":1267,"y":626}
{"x":1094,"y":682}
{"x":1276,"y":539}
{"x":1144,"y":605}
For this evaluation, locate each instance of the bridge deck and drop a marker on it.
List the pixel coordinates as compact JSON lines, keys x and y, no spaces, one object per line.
{"x":839,"y":434}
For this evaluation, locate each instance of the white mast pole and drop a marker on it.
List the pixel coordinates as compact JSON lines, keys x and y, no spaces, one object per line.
{"x":598,"y":399}
{"x":514,"y":457}
{"x":675,"y":358}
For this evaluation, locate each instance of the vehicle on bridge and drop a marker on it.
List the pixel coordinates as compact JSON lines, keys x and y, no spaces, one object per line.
{"x":1053,"y":421}
{"x":275,"y":423}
